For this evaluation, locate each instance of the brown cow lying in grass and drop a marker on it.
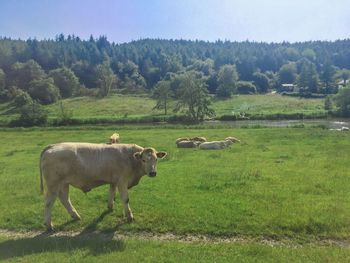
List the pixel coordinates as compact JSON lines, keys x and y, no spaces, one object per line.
{"x":86,"y":166}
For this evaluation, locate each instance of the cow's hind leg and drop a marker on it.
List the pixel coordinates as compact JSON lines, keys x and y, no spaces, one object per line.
{"x":65,"y":200}
{"x":50,"y":198}
{"x":112,"y":190}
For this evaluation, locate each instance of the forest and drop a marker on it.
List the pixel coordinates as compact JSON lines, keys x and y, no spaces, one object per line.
{"x":45,"y":71}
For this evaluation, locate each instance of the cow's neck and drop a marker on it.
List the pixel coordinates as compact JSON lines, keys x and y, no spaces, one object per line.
{"x":136,"y":176}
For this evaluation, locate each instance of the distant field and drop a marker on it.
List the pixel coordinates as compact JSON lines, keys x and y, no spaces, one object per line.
{"x":268,"y":105}
{"x":127,"y":107}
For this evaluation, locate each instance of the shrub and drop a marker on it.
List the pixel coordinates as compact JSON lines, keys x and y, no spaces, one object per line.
{"x":246,"y":87}
{"x":32,"y":114}
{"x":21,"y":99}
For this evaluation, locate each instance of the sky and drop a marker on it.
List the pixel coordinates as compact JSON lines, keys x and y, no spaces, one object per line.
{"x":126,"y":20}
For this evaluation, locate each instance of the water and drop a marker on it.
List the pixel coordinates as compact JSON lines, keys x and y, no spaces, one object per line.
{"x":328,"y":123}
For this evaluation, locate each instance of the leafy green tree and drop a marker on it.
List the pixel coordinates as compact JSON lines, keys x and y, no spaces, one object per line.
{"x":287,"y":73}
{"x":2,"y":79}
{"x":162,"y":93}
{"x":22,"y":98}
{"x":261,"y":82}
{"x":343,"y":74}
{"x":65,"y":80}
{"x":44,"y":91}
{"x":105,"y":78}
{"x":22,"y":74}
{"x":130,"y":76}
{"x":194,"y":96}
{"x":342,"y":101}
{"x":246,"y":87}
{"x":308,"y":79}
{"x":328,"y":105}
{"x":227,"y":79}
{"x":327,"y":78}
{"x":309,"y":54}
{"x":31,"y":114}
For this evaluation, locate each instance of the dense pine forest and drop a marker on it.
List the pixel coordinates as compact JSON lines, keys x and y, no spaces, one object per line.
{"x":47,"y":70}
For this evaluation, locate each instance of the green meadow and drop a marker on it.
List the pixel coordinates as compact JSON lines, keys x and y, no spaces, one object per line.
{"x":133,"y":108}
{"x":286,"y":183}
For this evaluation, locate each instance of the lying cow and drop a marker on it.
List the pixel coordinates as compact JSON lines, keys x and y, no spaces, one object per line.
{"x":215,"y":145}
{"x":199,"y":139}
{"x":181,"y":139}
{"x":187,"y":144}
{"x":86,"y":166}
{"x":233,"y":139}
{"x":114,"y":138}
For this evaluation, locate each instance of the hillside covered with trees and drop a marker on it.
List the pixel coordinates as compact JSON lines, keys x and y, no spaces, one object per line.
{"x":47,"y":70}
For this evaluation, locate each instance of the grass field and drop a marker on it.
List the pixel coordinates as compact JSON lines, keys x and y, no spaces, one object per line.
{"x":290,"y":183}
{"x":77,"y":249}
{"x":131,"y":107}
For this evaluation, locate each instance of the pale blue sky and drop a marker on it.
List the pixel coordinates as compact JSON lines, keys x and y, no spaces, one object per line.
{"x":126,"y":20}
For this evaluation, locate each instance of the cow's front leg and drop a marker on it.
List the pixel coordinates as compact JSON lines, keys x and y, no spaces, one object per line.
{"x":112,"y":190}
{"x":125,"y":199}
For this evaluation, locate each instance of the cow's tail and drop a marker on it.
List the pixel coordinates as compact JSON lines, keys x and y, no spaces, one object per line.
{"x":41,"y":172}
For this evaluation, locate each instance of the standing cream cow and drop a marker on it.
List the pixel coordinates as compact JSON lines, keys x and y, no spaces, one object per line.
{"x":86,"y":166}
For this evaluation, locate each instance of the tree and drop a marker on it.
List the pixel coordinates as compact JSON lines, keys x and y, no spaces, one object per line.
{"x":261,"y":82}
{"x":31,"y":114}
{"x":22,"y":98}
{"x":309,"y":54}
{"x":23,"y":73}
{"x":2,"y":79}
{"x":194,"y":97}
{"x":327,"y":77}
{"x":343,"y":74}
{"x":246,"y":87}
{"x":227,"y":78}
{"x":308,"y":79}
{"x":105,"y":78}
{"x":287,"y":73}
{"x":66,"y":81}
{"x":44,"y":91}
{"x":162,"y":93}
{"x":342,"y":100}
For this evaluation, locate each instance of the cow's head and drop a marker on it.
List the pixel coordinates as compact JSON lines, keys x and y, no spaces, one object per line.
{"x":149,"y":157}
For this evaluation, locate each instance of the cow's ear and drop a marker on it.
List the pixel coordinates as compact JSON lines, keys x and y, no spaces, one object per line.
{"x":161,"y":155}
{"x":138,"y":155}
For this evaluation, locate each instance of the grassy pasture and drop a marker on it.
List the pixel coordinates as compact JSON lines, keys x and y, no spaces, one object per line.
{"x":131,"y":107}
{"x":96,"y":249}
{"x":277,"y":183}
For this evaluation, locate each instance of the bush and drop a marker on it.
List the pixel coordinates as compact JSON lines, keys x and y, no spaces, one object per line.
{"x":21,"y":99}
{"x":32,"y":114}
{"x":246,"y":87}
{"x":44,"y":91}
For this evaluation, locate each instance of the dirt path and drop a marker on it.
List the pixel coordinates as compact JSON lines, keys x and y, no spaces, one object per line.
{"x":187,"y":238}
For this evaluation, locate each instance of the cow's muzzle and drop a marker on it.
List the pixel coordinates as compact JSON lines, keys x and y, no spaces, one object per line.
{"x":152,"y":174}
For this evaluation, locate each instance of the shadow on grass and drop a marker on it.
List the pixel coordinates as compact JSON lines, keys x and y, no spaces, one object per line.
{"x":94,"y":243}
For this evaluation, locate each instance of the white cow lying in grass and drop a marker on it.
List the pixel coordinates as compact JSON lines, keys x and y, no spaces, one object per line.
{"x":215,"y":145}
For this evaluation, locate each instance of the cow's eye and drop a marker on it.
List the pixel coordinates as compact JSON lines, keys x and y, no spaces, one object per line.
{"x":144,"y":161}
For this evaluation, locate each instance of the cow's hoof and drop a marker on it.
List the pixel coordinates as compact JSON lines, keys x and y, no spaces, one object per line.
{"x":76,"y":216}
{"x":50,"y":229}
{"x":110,"y":207}
{"x":130,"y":219}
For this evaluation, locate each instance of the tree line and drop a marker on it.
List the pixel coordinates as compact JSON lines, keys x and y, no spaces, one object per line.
{"x":67,"y":66}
